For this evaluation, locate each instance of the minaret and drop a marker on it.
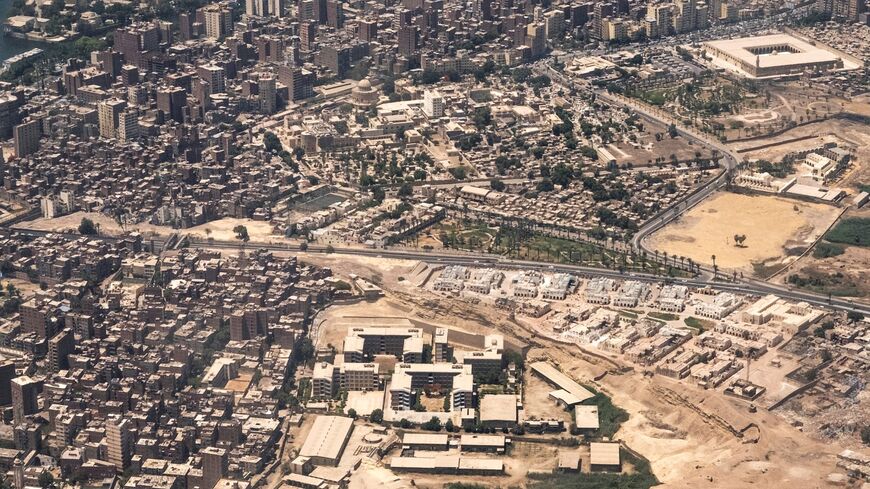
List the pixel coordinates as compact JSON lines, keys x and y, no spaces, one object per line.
{"x":18,"y":473}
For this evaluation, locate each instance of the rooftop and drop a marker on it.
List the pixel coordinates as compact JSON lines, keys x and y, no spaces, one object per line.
{"x":604,"y":453}
{"x":327,"y":437}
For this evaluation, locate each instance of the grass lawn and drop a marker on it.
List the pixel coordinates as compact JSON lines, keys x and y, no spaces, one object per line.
{"x":664,"y":316}
{"x":627,"y":313}
{"x":699,"y":324}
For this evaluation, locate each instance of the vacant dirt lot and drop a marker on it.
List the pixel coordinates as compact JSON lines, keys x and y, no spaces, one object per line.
{"x":221,"y":229}
{"x":774,"y":227}
{"x":847,"y":274}
{"x":26,"y":288}
{"x":840,"y":131}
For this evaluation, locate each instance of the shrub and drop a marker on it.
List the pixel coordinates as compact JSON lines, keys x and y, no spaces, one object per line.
{"x":827,"y":250}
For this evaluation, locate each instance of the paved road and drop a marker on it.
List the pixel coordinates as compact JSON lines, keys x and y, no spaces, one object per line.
{"x":728,"y":160}
{"x":444,"y":258}
{"x":480,"y":259}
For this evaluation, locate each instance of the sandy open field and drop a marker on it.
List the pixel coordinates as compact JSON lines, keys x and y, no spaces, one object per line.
{"x":221,"y":229}
{"x":773,"y":229}
{"x":27,"y":289}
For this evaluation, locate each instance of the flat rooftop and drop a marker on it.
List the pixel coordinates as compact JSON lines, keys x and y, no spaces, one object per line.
{"x":364,"y":403}
{"x":498,"y":407}
{"x":789,"y":50}
{"x":562,"y":381}
{"x":327,"y":437}
{"x":424,"y":439}
{"x":470,"y":440}
{"x":586,"y":417}
{"x":604,"y":453}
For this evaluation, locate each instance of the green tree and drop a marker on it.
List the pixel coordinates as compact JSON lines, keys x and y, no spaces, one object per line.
{"x":272,"y":143}
{"x":406,"y":190}
{"x":87,"y":227}
{"x":433,"y":424}
{"x":545,"y":185}
{"x":482,"y":117}
{"x":429,"y":77}
{"x":242,"y":233}
{"x":562,"y":174}
{"x":377,"y":416}
{"x":46,"y":480}
{"x":304,"y":350}
{"x":459,"y":172}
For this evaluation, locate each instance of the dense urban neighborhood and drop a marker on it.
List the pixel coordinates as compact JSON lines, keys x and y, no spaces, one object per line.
{"x":334,"y":244}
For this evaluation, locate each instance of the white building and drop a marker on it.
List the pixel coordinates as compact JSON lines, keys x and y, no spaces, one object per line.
{"x":598,"y":290}
{"x":631,"y":294}
{"x":673,"y":298}
{"x":557,"y":287}
{"x":722,"y":305}
{"x":433,"y":104}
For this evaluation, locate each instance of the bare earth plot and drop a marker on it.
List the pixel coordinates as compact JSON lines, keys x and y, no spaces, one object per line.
{"x":221,"y":229}
{"x":835,"y":130}
{"x":774,"y":227}
{"x":847,"y":274}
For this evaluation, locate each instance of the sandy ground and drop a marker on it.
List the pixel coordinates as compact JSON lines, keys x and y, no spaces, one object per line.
{"x":221,"y":229}
{"x":684,"y":430}
{"x":840,"y":131}
{"x":771,"y":225}
{"x":776,"y":153}
{"x":371,"y":474}
{"x":536,"y":402}
{"x":853,"y":265}
{"x":26,"y":288}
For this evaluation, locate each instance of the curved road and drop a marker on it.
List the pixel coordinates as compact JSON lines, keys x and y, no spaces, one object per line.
{"x":728,"y":161}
